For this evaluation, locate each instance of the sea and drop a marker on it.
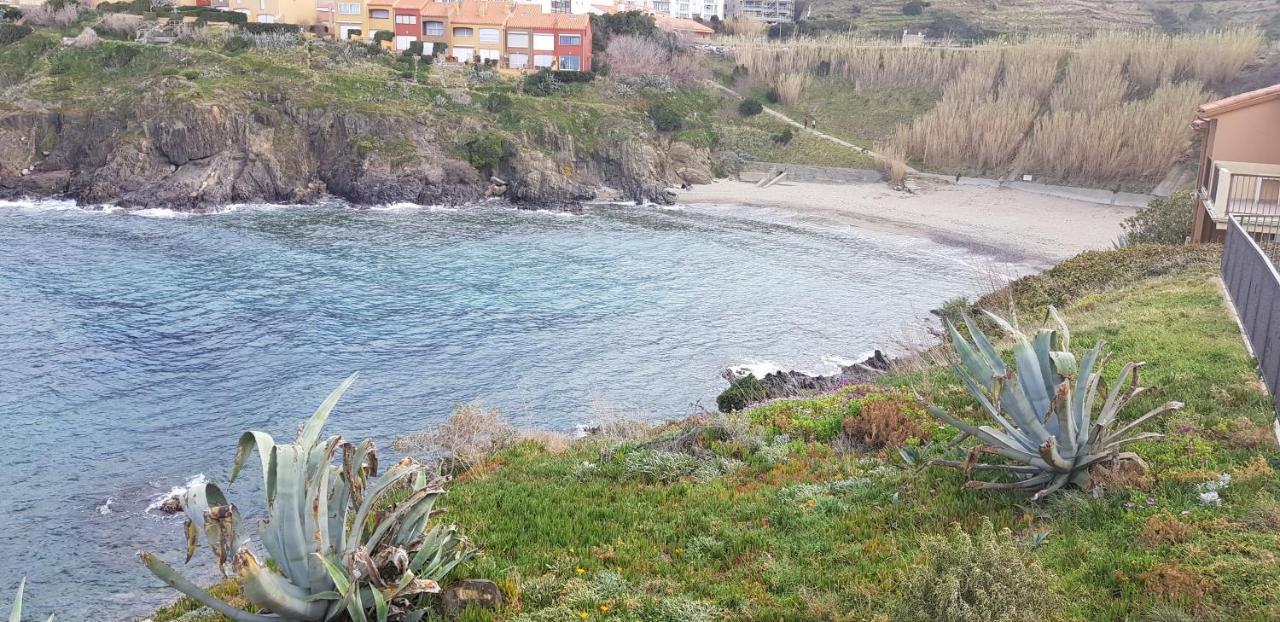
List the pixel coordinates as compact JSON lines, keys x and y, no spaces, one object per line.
{"x":136,"y":346}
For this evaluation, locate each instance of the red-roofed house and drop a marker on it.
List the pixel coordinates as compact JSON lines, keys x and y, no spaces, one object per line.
{"x":1240,"y":166}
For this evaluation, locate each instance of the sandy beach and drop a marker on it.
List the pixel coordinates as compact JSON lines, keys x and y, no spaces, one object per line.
{"x":1011,"y":225}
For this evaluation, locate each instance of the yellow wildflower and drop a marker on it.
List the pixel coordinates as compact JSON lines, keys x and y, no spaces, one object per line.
{"x":812,"y":502}
{"x":580,"y":570}
{"x":604,"y":608}
{"x":583,"y":615}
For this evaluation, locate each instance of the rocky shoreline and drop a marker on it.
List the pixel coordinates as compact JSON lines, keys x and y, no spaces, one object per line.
{"x":792,"y":383}
{"x":193,"y":157}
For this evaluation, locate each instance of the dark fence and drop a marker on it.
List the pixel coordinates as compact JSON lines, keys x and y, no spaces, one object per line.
{"x":1254,"y":286}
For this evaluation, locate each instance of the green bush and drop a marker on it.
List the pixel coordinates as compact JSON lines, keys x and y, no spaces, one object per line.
{"x":914,"y":7}
{"x":743,"y":392}
{"x":772,"y":95}
{"x":980,"y":578}
{"x":542,"y":84}
{"x":497,"y":103}
{"x":259,"y":29}
{"x":750,"y":107}
{"x":415,"y":49}
{"x":784,"y":137}
{"x":10,"y":13}
{"x":382,"y":36}
{"x":217,"y":15}
{"x":484,"y":150}
{"x":137,"y":7}
{"x":570,"y":77}
{"x":354,"y":33}
{"x":235,"y":45}
{"x":1162,"y":221}
{"x":12,"y":33}
{"x":665,"y":118}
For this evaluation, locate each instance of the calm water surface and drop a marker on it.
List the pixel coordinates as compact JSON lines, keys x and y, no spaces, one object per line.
{"x":134,"y":349}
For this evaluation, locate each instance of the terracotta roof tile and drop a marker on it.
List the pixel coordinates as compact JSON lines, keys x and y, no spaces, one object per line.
{"x":1236,"y":102}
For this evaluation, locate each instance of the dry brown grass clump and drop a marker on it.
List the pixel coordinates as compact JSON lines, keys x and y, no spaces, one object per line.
{"x":44,"y":15}
{"x":884,"y":423}
{"x":472,"y":434}
{"x":122,"y":24}
{"x":791,"y":86}
{"x":86,"y":39}
{"x":1172,"y":581}
{"x":1163,"y":529}
{"x":1120,"y":475}
{"x":1245,"y":434}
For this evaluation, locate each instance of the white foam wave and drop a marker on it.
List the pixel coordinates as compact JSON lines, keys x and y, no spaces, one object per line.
{"x":105,"y":508}
{"x":159,"y":212}
{"x":176,"y":491}
{"x":43,"y":205}
{"x":408,"y":207}
{"x":757,"y":368}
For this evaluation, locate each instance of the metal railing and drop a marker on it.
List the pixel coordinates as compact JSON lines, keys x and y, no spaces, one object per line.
{"x":1253,"y":194}
{"x":1249,"y":273}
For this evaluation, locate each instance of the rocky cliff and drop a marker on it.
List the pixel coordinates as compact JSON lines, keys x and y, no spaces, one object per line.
{"x":192,"y":155}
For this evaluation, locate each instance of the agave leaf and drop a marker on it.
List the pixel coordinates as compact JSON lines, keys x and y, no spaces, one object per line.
{"x":379,"y":605}
{"x":392,"y":520}
{"x":1064,"y":363}
{"x":1163,"y":408}
{"x":178,"y":582}
{"x":974,"y":364}
{"x":287,"y":518}
{"x":393,"y":476}
{"x":1024,"y":442}
{"x":16,"y":614}
{"x":1030,"y":377}
{"x":1004,"y":325}
{"x":1058,"y":482}
{"x":1135,"y":438}
{"x":1028,"y":483}
{"x":265,"y":445}
{"x":998,"y":368}
{"x":1049,"y":452}
{"x":1113,"y":403}
{"x":1014,"y":400}
{"x":1082,"y":401}
{"x":311,"y":431}
{"x":279,"y":595}
{"x":1042,"y":345}
{"x":1064,"y":333}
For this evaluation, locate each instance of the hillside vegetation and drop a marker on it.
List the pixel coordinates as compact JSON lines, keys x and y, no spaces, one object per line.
{"x":1111,"y":110}
{"x":965,"y":18}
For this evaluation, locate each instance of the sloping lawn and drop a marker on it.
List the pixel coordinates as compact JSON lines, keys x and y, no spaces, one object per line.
{"x":820,"y":536}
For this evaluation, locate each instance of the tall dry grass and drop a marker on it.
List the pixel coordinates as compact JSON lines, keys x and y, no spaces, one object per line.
{"x":792,"y":86}
{"x":863,"y":63}
{"x":1111,"y":108}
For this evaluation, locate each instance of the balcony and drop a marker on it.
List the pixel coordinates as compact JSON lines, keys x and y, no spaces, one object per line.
{"x":1252,"y":197}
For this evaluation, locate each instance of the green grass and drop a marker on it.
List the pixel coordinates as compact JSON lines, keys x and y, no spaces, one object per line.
{"x":766,"y":552}
{"x":812,"y":534}
{"x":863,"y":118}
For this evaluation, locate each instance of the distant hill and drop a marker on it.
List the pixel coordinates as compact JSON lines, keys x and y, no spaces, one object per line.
{"x":965,"y":17}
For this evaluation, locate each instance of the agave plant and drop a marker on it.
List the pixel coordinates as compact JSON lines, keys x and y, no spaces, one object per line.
{"x":339,"y":537}
{"x":16,"y":614}
{"x":1043,"y":408}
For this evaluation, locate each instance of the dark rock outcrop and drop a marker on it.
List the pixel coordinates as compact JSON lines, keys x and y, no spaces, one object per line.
{"x":194,"y":156}
{"x":792,"y":383}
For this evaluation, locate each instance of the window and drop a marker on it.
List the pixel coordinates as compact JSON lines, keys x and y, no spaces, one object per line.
{"x":433,"y":29}
{"x":406,"y":19}
{"x":266,"y":19}
{"x":403,"y":42}
{"x":570,"y":40}
{"x":543,"y":60}
{"x":519,"y":61}
{"x":349,"y":8}
{"x":493,"y":55}
{"x":379,"y":14}
{"x":570,"y":63}
{"x":518,"y":40}
{"x":463,"y":32}
{"x":490,"y":36}
{"x":561,"y":6}
{"x":544,"y":42}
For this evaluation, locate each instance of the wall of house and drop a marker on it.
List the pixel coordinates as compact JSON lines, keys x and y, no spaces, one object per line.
{"x":1249,"y":134}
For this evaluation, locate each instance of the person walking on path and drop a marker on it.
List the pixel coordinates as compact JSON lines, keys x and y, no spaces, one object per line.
{"x":806,"y":120}
{"x":814,"y":122}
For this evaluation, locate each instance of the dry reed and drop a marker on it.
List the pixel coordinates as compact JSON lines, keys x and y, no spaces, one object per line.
{"x":791,"y":86}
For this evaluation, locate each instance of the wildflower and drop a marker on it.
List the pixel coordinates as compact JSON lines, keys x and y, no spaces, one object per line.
{"x":580,"y":571}
{"x":583,"y":615}
{"x":812,"y":502}
{"x":679,"y":551}
{"x":1151,"y":500}
{"x":1210,"y":498}
{"x":604,"y":608}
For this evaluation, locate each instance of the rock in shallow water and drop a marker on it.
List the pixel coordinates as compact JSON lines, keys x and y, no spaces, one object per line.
{"x":792,"y":383}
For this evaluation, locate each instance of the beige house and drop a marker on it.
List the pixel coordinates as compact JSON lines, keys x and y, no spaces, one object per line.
{"x":1240,"y":168}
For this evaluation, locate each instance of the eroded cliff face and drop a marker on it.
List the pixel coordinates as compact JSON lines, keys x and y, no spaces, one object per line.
{"x":195,"y":156}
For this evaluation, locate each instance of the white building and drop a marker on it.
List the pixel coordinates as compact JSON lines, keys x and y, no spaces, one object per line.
{"x":577,"y":7}
{"x":770,"y":11}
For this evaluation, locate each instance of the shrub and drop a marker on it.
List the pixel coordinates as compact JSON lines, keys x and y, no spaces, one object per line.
{"x":542,"y":84}
{"x":914,"y":7}
{"x":415,"y":49}
{"x":86,"y":39}
{"x":11,"y":33}
{"x":884,"y":422}
{"x":383,"y":36}
{"x":784,"y":137}
{"x":235,"y":44}
{"x":466,"y":438}
{"x":632,"y":56}
{"x":1162,"y":221}
{"x":119,"y":25}
{"x":497,"y":102}
{"x":979,"y":578}
{"x":47,"y":15}
{"x":665,"y":117}
{"x":10,"y":13}
{"x":260,"y":29}
{"x":772,"y":95}
{"x":484,"y":150}
{"x":741,"y":393}
{"x":750,"y":107}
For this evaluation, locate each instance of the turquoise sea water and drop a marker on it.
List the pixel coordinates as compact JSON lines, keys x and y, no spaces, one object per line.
{"x":135,"y":348}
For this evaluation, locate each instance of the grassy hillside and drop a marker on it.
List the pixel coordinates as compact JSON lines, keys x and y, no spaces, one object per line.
{"x":757,"y":526}
{"x":885,"y":17}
